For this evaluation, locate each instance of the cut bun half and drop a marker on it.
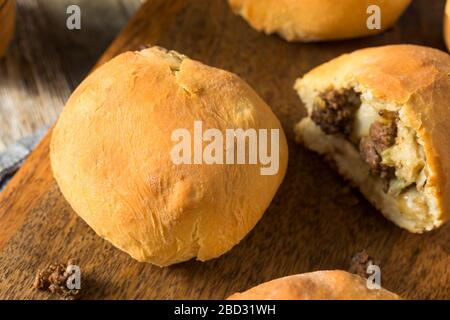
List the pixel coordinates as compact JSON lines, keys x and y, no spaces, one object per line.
{"x":381,"y":114}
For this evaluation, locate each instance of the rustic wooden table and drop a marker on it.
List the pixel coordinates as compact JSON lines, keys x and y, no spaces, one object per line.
{"x":46,"y":60}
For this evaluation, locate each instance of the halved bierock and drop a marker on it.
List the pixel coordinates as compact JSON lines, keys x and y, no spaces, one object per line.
{"x":383,"y":116}
{"x":318,"y":285}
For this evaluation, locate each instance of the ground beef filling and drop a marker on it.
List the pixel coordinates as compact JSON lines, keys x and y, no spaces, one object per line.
{"x":334,"y":111}
{"x":381,"y":136}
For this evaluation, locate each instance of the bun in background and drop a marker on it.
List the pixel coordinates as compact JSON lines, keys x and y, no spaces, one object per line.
{"x":317,"y":20}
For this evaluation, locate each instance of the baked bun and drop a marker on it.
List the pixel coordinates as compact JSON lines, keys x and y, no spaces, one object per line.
{"x":317,"y":20}
{"x":7,"y":21}
{"x":112,"y":148}
{"x":382,"y":114}
{"x":319,"y":285}
{"x":447,"y":24}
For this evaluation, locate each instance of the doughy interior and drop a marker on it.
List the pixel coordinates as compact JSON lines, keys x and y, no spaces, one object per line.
{"x":374,"y":147}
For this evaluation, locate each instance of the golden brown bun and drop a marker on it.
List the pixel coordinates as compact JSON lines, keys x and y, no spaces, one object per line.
{"x":319,"y":285}
{"x":317,"y":20}
{"x":7,"y":21}
{"x":412,"y":81}
{"x":110,"y":155}
{"x":447,"y":24}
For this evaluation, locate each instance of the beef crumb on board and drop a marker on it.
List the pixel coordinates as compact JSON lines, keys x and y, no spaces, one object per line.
{"x":359,"y":263}
{"x":54,"y":280}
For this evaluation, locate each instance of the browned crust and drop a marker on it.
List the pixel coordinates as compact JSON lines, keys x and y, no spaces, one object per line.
{"x":319,"y":285}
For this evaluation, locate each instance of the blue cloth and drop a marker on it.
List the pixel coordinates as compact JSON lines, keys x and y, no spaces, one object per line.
{"x":12,"y":158}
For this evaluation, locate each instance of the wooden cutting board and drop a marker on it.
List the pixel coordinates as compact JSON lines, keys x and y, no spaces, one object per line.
{"x":315,"y":222}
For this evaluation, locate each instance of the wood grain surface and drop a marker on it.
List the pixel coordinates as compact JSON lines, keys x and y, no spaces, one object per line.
{"x":315,"y":222}
{"x":46,"y":60}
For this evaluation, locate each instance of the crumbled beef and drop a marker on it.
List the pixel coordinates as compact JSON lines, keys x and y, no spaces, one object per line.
{"x":371,"y":155}
{"x":334,"y":111}
{"x":381,"y":136}
{"x":54,"y":279}
{"x":360,"y":262}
